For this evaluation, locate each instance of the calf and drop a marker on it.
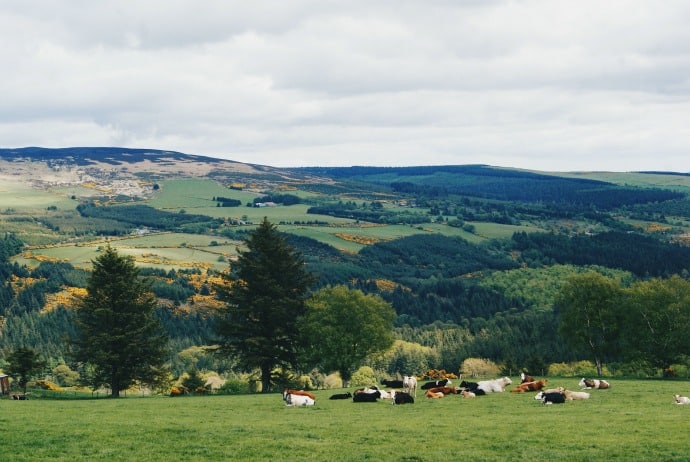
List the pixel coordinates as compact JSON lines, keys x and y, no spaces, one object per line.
{"x":363,"y":397}
{"x":437,"y":383}
{"x":403,"y":398}
{"x":681,"y":399}
{"x":347,"y":395}
{"x":468,"y":394}
{"x":553,"y":398}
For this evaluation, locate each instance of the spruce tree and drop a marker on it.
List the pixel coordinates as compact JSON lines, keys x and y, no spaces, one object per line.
{"x":119,"y":338}
{"x":265,"y":293}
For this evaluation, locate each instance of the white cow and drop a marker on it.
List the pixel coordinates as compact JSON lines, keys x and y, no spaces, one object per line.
{"x":573,"y":395}
{"x":681,"y":399}
{"x":297,"y":400}
{"x":410,"y":385}
{"x":494,"y":386}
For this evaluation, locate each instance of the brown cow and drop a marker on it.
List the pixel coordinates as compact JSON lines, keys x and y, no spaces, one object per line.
{"x":529,"y":386}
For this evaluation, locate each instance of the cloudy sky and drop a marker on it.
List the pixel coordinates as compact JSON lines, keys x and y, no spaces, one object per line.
{"x":550,"y":85}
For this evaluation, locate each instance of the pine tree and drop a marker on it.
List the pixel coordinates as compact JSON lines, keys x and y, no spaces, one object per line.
{"x":119,"y":338}
{"x":265,"y":293}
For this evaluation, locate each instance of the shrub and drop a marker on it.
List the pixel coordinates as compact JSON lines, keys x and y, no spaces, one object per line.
{"x":363,"y":377}
{"x":479,"y":367}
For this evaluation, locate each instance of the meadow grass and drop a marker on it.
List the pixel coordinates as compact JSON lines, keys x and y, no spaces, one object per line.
{"x":635,"y":420}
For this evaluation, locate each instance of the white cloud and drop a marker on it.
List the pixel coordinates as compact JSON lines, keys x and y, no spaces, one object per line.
{"x":542,"y":84}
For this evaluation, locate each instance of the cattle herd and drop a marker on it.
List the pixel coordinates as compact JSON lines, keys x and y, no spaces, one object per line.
{"x":404,"y":391}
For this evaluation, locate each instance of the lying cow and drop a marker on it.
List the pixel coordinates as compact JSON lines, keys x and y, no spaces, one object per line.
{"x":347,"y":395}
{"x":403,"y":398}
{"x":524,"y":377}
{"x":494,"y":386}
{"x":553,"y":398}
{"x":434,"y":394}
{"x":366,"y":397}
{"x":529,"y":386}
{"x":437,"y":383}
{"x":468,"y":394}
{"x":445,"y":390}
{"x":593,"y":384}
{"x":681,"y":399}
{"x":392,"y":383}
{"x":287,"y":391}
{"x":575,"y":395}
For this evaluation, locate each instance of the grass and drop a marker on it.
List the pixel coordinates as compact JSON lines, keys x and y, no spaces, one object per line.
{"x":634,"y":420}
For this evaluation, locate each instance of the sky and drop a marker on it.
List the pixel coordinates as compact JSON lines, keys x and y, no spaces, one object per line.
{"x":549,"y":85}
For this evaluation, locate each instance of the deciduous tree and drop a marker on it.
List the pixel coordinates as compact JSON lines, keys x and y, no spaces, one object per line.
{"x":343,"y":326}
{"x":23,"y":364}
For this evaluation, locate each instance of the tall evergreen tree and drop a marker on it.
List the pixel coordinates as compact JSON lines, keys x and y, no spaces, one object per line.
{"x":22,"y":364}
{"x":119,"y":338}
{"x":265,"y":293}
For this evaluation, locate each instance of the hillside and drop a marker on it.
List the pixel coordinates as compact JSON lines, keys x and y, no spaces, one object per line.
{"x":471,"y":257}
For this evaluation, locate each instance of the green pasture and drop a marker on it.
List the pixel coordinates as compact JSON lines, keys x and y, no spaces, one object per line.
{"x":635,"y":420}
{"x":21,"y":196}
{"x":652,"y":180}
{"x":160,"y":250}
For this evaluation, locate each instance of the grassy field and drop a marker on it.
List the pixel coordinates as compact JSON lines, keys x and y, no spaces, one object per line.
{"x":635,"y":420}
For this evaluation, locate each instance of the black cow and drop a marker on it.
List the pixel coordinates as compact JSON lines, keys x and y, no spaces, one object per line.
{"x":347,"y":395}
{"x":403,"y":398}
{"x":553,"y":398}
{"x":438,"y":383}
{"x":392,"y":383}
{"x":471,"y":386}
{"x":363,"y":397}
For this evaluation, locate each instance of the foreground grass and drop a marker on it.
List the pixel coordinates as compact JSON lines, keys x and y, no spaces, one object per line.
{"x":634,"y":420}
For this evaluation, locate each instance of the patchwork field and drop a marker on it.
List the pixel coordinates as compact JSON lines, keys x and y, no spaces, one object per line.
{"x":635,"y":420}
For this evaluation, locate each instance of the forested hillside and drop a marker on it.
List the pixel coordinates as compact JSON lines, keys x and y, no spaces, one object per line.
{"x":470,"y":257}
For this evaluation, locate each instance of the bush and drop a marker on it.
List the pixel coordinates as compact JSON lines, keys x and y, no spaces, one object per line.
{"x":234,"y":387}
{"x":363,"y":377}
{"x":575,"y":369}
{"x":479,"y":367}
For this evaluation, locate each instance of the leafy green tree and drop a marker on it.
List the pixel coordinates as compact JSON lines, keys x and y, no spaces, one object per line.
{"x":265,"y":292}
{"x":119,"y":338}
{"x":589,"y":307}
{"x":23,"y":364}
{"x":343,"y":326}
{"x":657,"y":321}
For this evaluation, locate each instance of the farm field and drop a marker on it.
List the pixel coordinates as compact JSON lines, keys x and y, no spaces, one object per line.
{"x":635,"y":420}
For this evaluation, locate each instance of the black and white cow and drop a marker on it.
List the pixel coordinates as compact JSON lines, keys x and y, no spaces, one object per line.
{"x":366,"y":397}
{"x":437,"y":383}
{"x":553,"y":398}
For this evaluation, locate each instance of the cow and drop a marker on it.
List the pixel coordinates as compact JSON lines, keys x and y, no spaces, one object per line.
{"x":445,"y":390}
{"x":298,"y":392}
{"x":529,"y":386}
{"x":593,"y":384}
{"x":347,"y":395}
{"x":524,"y":377}
{"x":392,"y":383}
{"x":494,"y":386}
{"x":297,"y":400}
{"x":434,"y":394}
{"x":681,"y":399}
{"x":437,"y":383}
{"x":469,"y":385}
{"x":410,"y":385}
{"x":366,"y":397}
{"x":553,"y":398}
{"x":403,"y":398}
{"x":468,"y":394}
{"x":575,"y":395}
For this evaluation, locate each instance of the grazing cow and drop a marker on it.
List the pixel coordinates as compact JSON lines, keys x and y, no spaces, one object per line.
{"x":525,"y":378}
{"x":445,"y":390}
{"x":297,"y":400}
{"x":593,"y":384}
{"x":410,"y":384}
{"x":392,"y":383}
{"x":468,"y":394}
{"x":347,"y":395}
{"x":494,"y":386}
{"x":366,"y":397}
{"x":529,"y":386}
{"x":403,"y":398}
{"x":575,"y":395}
{"x":298,"y":392}
{"x":553,"y":398}
{"x":434,"y":394}
{"x":437,"y":383}
{"x":681,"y":399}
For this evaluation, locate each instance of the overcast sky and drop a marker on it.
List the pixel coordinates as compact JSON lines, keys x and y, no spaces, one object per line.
{"x":538,"y":84}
